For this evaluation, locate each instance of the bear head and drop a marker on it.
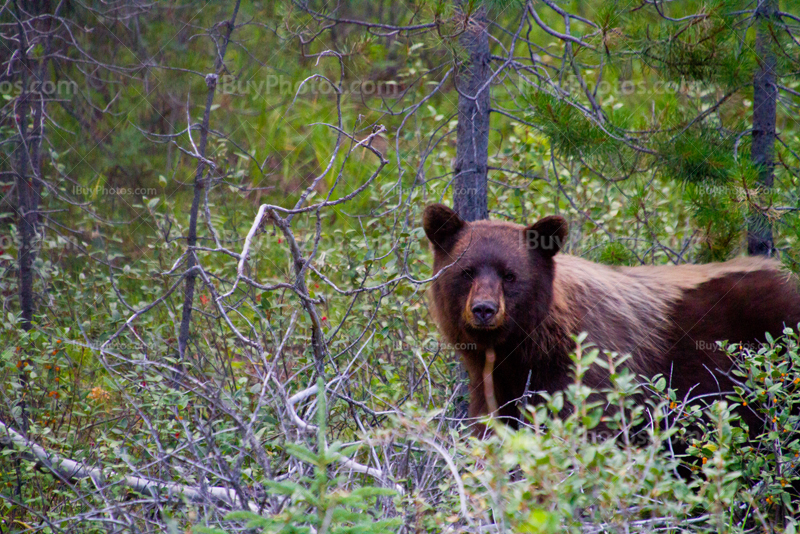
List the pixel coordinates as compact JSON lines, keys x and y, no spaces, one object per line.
{"x":494,"y":280}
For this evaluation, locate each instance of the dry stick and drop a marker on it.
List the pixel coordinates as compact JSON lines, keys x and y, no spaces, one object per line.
{"x":488,"y":381}
{"x":67,"y":469}
{"x":246,"y":249}
{"x":344,"y":460}
{"x":317,"y":336}
{"x":199,"y":185}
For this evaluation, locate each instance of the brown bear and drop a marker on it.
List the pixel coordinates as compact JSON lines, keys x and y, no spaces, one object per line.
{"x":503,"y":288}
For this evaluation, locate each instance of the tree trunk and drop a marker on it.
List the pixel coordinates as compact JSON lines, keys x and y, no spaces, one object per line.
{"x":470,"y":198}
{"x":26,"y":173}
{"x":472,"y":151}
{"x":27,"y":207}
{"x":765,"y":94}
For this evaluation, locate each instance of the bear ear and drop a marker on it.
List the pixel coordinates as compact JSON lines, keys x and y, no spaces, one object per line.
{"x":441,"y":225}
{"x":547,"y":235}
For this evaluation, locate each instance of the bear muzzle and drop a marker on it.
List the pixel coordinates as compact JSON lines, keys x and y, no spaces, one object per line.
{"x":484,"y":312}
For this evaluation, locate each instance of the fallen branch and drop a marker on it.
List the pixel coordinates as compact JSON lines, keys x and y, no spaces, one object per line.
{"x":69,"y":469}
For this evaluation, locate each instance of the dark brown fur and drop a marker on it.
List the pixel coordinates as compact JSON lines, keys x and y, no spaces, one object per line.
{"x":667,"y":317}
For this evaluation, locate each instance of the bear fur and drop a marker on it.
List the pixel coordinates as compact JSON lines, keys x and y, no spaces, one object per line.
{"x":504,"y":286}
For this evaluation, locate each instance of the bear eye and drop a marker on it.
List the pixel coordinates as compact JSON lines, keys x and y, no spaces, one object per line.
{"x":468,"y":273}
{"x":509,"y":277}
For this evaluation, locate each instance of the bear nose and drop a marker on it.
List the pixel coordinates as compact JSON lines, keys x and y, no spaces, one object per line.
{"x":484,"y":311}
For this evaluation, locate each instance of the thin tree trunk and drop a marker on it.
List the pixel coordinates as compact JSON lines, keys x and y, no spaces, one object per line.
{"x":27,"y":191}
{"x":472,"y":150}
{"x":31,"y":104}
{"x":199,"y":185}
{"x":765,"y":95}
{"x":470,"y":199}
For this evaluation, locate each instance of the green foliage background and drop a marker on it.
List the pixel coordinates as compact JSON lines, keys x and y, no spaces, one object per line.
{"x":683,"y":199}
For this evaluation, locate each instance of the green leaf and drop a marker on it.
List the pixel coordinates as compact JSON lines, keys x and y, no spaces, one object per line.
{"x":660,"y":384}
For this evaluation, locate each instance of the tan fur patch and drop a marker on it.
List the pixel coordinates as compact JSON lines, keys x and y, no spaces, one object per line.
{"x":625,"y":309}
{"x":501,"y":310}
{"x":467,"y":312}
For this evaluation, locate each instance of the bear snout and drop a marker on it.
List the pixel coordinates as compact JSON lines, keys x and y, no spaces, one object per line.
{"x":484,"y":312}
